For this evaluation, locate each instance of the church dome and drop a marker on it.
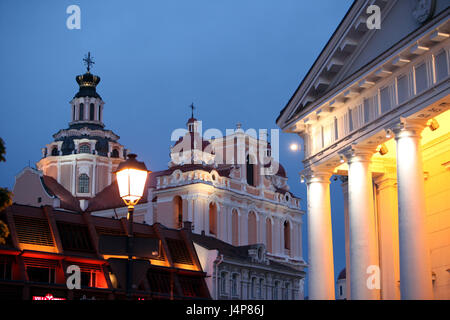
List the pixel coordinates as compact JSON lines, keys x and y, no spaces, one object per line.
{"x":88,"y":83}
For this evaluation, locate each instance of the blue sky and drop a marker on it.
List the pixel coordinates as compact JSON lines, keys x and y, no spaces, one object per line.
{"x":237,"y":60}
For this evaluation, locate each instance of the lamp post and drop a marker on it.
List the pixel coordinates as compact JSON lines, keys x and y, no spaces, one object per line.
{"x":131,"y":177}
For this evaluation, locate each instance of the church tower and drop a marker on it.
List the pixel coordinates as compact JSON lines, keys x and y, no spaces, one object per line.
{"x":82,"y":157}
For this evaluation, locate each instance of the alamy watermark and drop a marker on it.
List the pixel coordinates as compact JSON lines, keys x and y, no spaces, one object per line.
{"x":236,"y":147}
{"x":374,"y":20}
{"x":74,"y":20}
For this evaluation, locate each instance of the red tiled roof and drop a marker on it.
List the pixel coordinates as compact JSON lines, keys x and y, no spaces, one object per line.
{"x":110,"y":198}
{"x":67,"y":200}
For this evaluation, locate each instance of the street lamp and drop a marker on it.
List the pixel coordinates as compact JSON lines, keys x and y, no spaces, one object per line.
{"x":131,"y":177}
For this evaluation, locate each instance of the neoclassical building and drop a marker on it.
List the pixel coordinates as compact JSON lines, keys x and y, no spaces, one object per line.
{"x":374,"y":109}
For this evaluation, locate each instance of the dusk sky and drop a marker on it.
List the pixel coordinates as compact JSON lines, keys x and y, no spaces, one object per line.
{"x":236,"y":60}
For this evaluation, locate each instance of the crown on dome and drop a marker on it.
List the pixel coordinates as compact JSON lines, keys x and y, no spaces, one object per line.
{"x":87,"y":82}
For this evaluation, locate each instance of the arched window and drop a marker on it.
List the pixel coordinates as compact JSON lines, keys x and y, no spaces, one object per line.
{"x":287,"y":235}
{"x":178,"y":212}
{"x":115,"y":153}
{"x":92,"y":112}
{"x":85,"y":148}
{"x":73,"y":113}
{"x":213,"y":218}
{"x":252,"y":239}
{"x":250,"y":172}
{"x":81,"y":112}
{"x":55,"y":151}
{"x":235,"y":227}
{"x":269,"y":235}
{"x":83,"y":183}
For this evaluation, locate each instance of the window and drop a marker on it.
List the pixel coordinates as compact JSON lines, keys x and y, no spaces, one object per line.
{"x":234,"y":285}
{"x":83,"y":183}
{"x":421,"y":78}
{"x":213,"y":218}
{"x":385,"y":99}
{"x":92,"y":112}
{"x":287,"y":292}
{"x":89,"y":278}
{"x":41,"y":274}
{"x":55,"y":151}
{"x":441,"y":66}
{"x":81,"y":113}
{"x":223,"y":283}
{"x":402,"y":88}
{"x":235,"y":227}
{"x":340,"y":290}
{"x":253,"y":288}
{"x":75,"y":237}
{"x":287,"y":235}
{"x":350,"y":120}
{"x":269,"y":235}
{"x":250,"y":172}
{"x":99,"y":113}
{"x":261,"y":288}
{"x":115,"y":153}
{"x":275,"y":291}
{"x":178,"y":212}
{"x":5,"y":268}
{"x":85,"y":148}
{"x":252,"y":228}
{"x":73,"y":113}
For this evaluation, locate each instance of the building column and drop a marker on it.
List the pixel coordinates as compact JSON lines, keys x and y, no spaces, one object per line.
{"x":386,"y":191}
{"x":243,"y":228}
{"x":362,"y":226}
{"x":344,"y":186}
{"x":320,"y":242}
{"x":415,"y":266}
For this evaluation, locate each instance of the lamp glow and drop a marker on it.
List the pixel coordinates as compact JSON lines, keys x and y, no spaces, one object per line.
{"x":388,"y":134}
{"x":131,"y":178}
{"x":293,"y":147}
{"x":433,"y":124}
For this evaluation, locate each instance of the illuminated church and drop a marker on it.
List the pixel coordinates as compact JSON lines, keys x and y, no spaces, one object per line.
{"x":239,"y":209}
{"x":375,"y":109}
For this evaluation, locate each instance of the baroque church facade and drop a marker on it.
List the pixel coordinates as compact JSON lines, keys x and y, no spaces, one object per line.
{"x":236,"y":205}
{"x":374,"y":109}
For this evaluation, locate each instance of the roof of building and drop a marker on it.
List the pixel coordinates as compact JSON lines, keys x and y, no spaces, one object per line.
{"x":235,"y":252}
{"x":110,"y":198}
{"x":74,"y":236}
{"x":342,"y":274}
{"x":53,"y":188}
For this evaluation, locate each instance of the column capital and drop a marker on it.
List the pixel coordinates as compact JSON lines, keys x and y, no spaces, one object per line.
{"x":405,"y":127}
{"x":316,"y":175}
{"x":356,"y":153}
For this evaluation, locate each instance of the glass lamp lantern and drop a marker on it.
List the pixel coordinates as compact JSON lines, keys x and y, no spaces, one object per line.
{"x":131,"y":178}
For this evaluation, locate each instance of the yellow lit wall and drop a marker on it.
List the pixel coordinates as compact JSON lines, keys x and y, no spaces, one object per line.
{"x":436,"y":156}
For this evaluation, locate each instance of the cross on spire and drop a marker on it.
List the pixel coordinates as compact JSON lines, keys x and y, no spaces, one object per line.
{"x":192,"y":109}
{"x":88,"y":61}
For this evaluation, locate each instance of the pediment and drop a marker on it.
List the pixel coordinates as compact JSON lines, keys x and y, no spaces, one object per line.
{"x":353,"y":47}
